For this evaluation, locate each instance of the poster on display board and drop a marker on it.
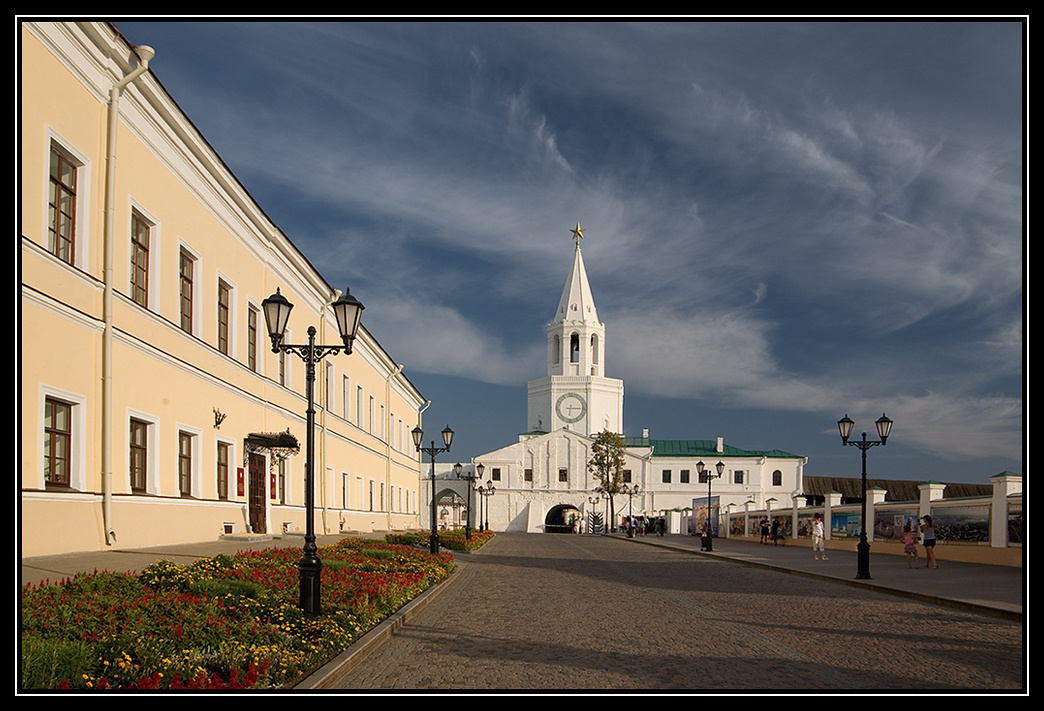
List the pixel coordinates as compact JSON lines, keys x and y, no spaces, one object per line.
{"x":844,"y":525}
{"x":962,"y":524}
{"x":699,"y":515}
{"x":889,"y":525}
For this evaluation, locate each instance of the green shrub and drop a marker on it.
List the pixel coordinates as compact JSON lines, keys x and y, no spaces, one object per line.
{"x":47,"y":662}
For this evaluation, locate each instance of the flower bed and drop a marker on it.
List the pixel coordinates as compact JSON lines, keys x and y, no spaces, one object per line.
{"x":455,"y":540}
{"x":229,"y":622}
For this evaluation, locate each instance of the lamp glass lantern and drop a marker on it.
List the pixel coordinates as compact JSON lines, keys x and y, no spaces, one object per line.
{"x":884,"y":426}
{"x":348,"y":312}
{"x":277,"y":314}
{"x":844,"y":425}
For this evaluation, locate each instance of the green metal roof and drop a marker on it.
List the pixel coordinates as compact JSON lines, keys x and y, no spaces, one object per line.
{"x":701,"y":448}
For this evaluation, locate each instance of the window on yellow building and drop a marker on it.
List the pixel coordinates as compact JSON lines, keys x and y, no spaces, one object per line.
{"x":61,"y":216}
{"x":224,"y":296}
{"x":252,"y":338}
{"x":185,"y":280}
{"x":223,"y":449}
{"x":139,"y":455}
{"x":140,"y":260}
{"x":57,"y":441}
{"x":185,"y":463}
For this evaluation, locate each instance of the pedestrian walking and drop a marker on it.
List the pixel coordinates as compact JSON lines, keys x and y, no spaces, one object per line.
{"x":818,"y":537}
{"x":910,"y":547}
{"x":764,"y":529}
{"x":775,"y":531}
{"x":928,"y":535}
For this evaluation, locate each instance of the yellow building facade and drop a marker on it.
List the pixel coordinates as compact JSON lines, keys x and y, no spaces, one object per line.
{"x":153,"y":409}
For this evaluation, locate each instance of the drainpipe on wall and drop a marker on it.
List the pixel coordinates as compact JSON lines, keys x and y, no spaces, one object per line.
{"x":388,"y":433}
{"x":144,"y":54}
{"x":319,"y":471}
{"x":420,"y":480}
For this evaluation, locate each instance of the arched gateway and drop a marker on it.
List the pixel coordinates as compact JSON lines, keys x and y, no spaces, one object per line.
{"x":564,"y":518}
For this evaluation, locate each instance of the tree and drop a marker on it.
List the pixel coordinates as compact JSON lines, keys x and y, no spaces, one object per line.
{"x":606,"y":463}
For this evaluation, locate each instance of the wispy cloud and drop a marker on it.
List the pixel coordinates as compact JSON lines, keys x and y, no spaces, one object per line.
{"x":770,"y":206}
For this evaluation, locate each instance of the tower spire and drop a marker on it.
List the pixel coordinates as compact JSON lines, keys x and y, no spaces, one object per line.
{"x":578,"y":234}
{"x":576,"y":394}
{"x":577,"y":303}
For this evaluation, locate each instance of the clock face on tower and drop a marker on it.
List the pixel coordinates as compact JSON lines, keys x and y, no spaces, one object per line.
{"x":571,"y":407}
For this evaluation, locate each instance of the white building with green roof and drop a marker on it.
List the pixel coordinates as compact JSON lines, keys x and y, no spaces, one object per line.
{"x":542,"y":482}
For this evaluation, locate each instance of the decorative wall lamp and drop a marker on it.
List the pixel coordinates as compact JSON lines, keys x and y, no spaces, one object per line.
{"x":348,"y":312}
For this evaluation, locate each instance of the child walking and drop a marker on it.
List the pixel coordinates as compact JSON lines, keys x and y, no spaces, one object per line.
{"x":910,"y":546}
{"x":818,"y":537}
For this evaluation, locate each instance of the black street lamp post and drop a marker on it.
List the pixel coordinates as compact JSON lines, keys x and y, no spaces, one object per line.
{"x":884,"y":427}
{"x":486,"y":492}
{"x":478,"y":490}
{"x":631,"y":493}
{"x":703,"y":471}
{"x":447,"y":439}
{"x":470,"y":478}
{"x":348,"y":312}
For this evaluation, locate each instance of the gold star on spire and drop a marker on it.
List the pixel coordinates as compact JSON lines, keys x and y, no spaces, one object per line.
{"x":578,"y":234}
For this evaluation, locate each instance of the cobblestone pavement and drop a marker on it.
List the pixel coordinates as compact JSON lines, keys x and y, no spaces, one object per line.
{"x":561,"y":612}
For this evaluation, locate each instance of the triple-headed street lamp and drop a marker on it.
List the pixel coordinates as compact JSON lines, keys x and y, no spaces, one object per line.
{"x":703,"y":471}
{"x":348,"y":312}
{"x":447,"y":439}
{"x":884,"y":427}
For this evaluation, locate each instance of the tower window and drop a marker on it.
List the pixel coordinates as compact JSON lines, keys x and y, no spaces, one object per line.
{"x":574,"y":348}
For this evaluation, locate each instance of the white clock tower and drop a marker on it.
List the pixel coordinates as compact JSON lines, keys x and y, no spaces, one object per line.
{"x":576,"y":395}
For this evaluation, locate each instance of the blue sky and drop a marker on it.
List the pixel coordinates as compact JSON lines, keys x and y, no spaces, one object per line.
{"x":785,"y":221}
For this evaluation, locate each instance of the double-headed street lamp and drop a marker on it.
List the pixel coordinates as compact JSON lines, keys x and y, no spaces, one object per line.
{"x":447,"y":439}
{"x":610,"y":526}
{"x":593,"y":500}
{"x":631,"y":493}
{"x":348,"y":312}
{"x":486,"y":492}
{"x":884,"y":427}
{"x":703,"y":471}
{"x":470,"y":478}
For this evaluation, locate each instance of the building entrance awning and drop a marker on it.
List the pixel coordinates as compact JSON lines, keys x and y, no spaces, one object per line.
{"x":277,"y":441}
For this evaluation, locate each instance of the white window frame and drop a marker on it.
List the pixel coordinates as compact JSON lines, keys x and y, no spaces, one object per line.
{"x":197,"y":286}
{"x":84,"y":183}
{"x":153,"y":461}
{"x":155,"y":258}
{"x":233,"y":314}
{"x":197,"y":481}
{"x":77,"y":436}
{"x":231,"y":494}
